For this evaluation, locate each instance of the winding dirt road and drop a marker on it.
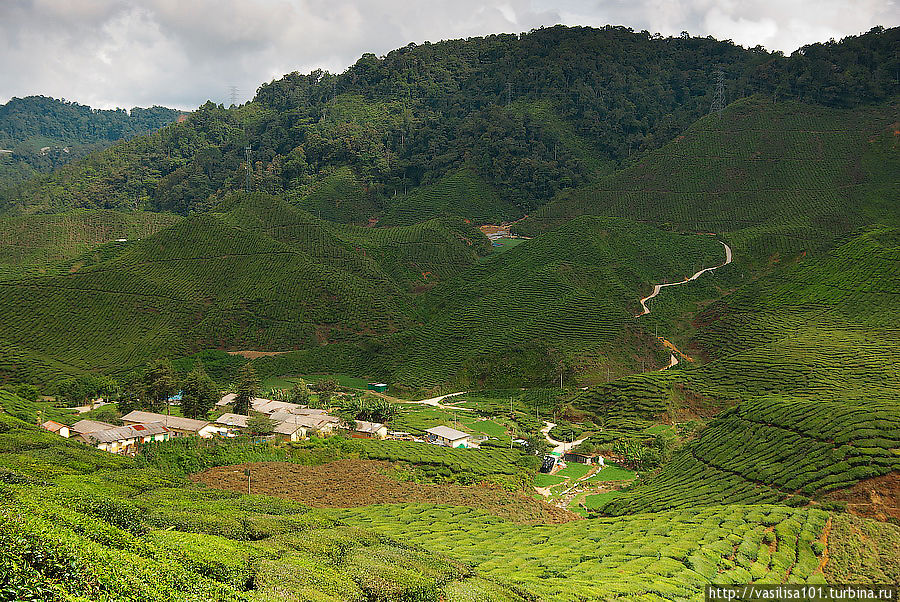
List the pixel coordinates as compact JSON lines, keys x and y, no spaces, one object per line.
{"x":673,"y":359}
{"x":659,"y":287}
{"x":558,"y":446}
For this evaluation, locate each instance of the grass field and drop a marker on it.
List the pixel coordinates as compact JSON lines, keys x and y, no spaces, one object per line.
{"x":286,"y":382}
{"x":611,"y":473}
{"x":598,"y":500}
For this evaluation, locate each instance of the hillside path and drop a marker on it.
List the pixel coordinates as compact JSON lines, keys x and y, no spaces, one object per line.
{"x":558,"y":446}
{"x":659,"y":287}
{"x":434,"y":401}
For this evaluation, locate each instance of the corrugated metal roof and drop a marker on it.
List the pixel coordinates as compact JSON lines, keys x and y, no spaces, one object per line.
{"x":233,"y":420}
{"x":53,"y":426}
{"x":287,"y":428}
{"x":91,"y":426}
{"x":363,"y":426}
{"x":314,"y":421}
{"x":173,"y":422}
{"x":121,"y":433}
{"x":445,"y":432}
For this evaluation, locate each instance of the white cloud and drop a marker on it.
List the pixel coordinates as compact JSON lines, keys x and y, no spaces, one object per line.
{"x":109,"y":53}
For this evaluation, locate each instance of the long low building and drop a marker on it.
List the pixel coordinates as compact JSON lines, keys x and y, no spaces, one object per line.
{"x":178,"y":426}
{"x":125,"y":439}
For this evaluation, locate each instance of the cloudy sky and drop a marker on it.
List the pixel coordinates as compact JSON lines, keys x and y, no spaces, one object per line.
{"x":179,"y":53}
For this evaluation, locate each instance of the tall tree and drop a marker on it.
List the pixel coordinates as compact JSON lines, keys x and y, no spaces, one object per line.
{"x":134,"y":393}
{"x":198,"y":393}
{"x":247,"y":388}
{"x":160,"y":381}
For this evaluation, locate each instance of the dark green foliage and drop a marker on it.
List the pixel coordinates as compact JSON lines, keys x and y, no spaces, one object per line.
{"x":370,"y":408}
{"x":159,"y":383}
{"x":199,"y":393}
{"x":246,"y":389}
{"x":530,"y":115}
{"x":260,"y":425}
{"x":45,"y":133}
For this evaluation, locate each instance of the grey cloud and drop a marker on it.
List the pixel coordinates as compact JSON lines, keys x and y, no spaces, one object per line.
{"x":109,"y":53}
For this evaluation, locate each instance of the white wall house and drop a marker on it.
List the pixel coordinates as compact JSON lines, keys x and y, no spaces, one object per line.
{"x":125,"y":439}
{"x":444,"y":435}
{"x":180,"y":427}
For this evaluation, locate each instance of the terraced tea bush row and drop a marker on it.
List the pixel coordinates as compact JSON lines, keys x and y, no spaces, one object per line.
{"x":44,"y":243}
{"x":787,"y":188}
{"x":773,"y":449}
{"x":666,"y":555}
{"x":77,"y":522}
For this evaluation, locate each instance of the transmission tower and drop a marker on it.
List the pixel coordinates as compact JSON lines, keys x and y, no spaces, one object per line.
{"x":233,"y":93}
{"x":508,"y":94}
{"x":719,"y":100}
{"x":247,"y":153}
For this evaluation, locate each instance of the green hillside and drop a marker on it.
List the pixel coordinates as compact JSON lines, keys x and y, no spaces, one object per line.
{"x":532,"y":115}
{"x":563,"y":301}
{"x":663,"y":556}
{"x":80,"y":523}
{"x":458,"y":193}
{"x":261,"y":275}
{"x":45,"y":133}
{"x":775,"y":179}
{"x":776,"y":449}
{"x":46,"y":243}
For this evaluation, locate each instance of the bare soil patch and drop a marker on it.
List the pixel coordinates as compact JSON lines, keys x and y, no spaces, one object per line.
{"x":350,"y":483}
{"x":878,"y":497}
{"x":252,"y":355}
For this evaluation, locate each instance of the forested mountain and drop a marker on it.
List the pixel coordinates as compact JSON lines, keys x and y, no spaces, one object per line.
{"x":45,"y":133}
{"x":525,"y":115}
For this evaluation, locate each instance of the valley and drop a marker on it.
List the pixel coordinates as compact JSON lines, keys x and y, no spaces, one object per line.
{"x":415,"y":332}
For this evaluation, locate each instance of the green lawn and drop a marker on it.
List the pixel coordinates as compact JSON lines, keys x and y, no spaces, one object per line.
{"x":286,"y":382}
{"x":598,"y":499}
{"x":547,"y":480}
{"x":613,"y":473}
{"x":574,"y":470}
{"x":488,"y":427}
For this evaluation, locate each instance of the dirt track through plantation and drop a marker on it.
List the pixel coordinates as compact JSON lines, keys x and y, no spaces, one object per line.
{"x":673,"y":358}
{"x":659,"y":287}
{"x":349,"y":483}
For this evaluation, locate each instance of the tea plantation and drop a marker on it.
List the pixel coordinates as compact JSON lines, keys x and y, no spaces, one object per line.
{"x":76,"y":523}
{"x":775,"y":449}
{"x":778,"y":178}
{"x":657,"y":556}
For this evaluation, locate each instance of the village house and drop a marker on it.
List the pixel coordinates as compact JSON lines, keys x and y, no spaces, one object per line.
{"x":237,"y":421}
{"x":290,"y":431}
{"x":583,"y":458}
{"x":369,"y":430}
{"x":449,"y":437}
{"x":321,"y":423}
{"x":54,"y":427}
{"x":125,"y":440}
{"x":83,"y":427}
{"x":177,"y":426}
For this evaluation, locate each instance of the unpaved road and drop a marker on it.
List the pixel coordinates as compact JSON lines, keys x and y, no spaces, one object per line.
{"x":558,"y":446}
{"x":673,"y":359}
{"x":659,"y":287}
